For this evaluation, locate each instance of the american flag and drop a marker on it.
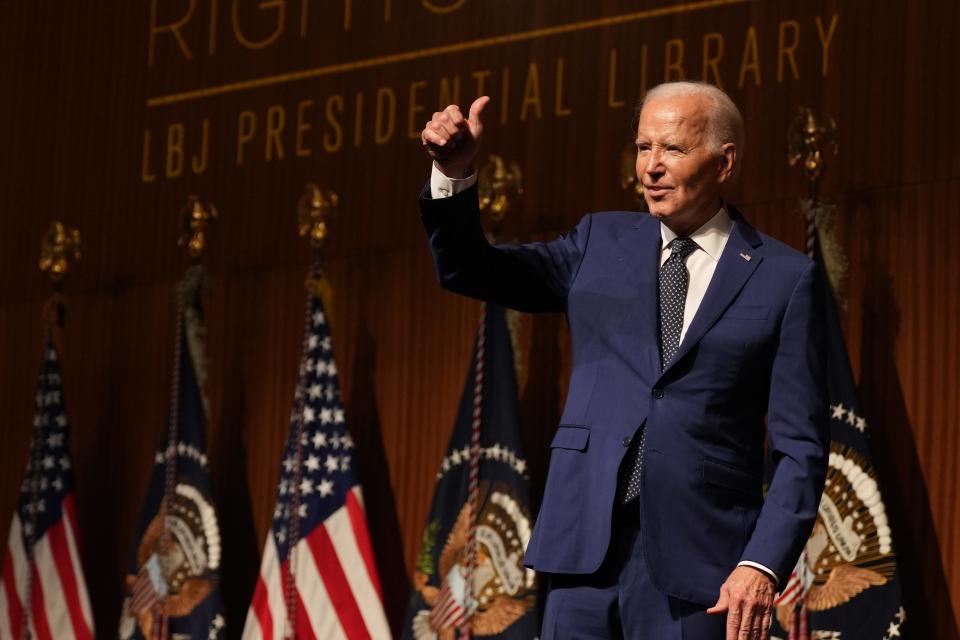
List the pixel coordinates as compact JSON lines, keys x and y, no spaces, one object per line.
{"x":43,"y":594}
{"x":318,"y":578}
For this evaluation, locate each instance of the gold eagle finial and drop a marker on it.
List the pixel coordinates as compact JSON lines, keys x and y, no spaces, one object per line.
{"x":313,"y":209}
{"x":59,"y":249}
{"x":197,"y":219}
{"x":499,"y":187}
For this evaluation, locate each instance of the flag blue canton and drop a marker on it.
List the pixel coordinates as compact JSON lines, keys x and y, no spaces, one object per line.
{"x":320,"y":483}
{"x":49,"y":476}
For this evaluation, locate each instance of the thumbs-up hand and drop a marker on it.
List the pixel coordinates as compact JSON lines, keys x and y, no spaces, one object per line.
{"x":452,"y":141}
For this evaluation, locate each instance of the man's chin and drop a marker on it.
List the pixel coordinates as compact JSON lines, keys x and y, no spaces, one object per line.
{"x":659,"y":210}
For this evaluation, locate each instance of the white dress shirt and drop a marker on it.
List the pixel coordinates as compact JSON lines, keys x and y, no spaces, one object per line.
{"x":711,"y":238}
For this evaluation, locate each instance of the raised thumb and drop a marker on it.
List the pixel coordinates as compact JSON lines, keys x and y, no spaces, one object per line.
{"x":475,"y":110}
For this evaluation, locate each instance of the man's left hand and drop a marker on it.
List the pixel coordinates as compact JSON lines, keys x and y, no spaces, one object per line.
{"x":747,"y":599}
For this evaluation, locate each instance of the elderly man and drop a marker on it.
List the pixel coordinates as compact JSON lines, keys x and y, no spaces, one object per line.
{"x":688,"y":328}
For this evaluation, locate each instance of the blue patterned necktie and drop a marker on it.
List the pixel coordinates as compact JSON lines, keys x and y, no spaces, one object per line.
{"x":674,"y":281}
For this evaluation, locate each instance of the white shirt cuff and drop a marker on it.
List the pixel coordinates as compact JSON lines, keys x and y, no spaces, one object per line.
{"x":757,"y":565}
{"x":443,"y":187}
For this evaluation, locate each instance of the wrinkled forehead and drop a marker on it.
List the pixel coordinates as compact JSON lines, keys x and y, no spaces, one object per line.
{"x":687,"y":114}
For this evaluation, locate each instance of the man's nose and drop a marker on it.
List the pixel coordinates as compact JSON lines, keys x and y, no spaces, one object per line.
{"x":654,"y":162}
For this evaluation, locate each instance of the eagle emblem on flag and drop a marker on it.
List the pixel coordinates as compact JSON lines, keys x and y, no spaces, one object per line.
{"x":504,"y":590}
{"x":850,"y":549}
{"x":176,"y":567}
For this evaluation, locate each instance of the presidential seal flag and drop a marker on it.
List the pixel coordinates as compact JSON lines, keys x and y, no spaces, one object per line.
{"x":318,"y":578}
{"x":43,"y":594}
{"x":846,"y":584}
{"x":469,"y":578}
{"x":172,"y":582}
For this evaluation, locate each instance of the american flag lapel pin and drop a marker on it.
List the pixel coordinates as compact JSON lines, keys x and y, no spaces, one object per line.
{"x":745,"y":256}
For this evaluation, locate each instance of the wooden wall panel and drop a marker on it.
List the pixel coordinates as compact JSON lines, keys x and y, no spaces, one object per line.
{"x":76,"y":103}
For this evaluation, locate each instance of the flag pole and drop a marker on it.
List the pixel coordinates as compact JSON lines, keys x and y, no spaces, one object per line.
{"x":197,"y":218}
{"x":808,"y":142}
{"x":59,"y":250}
{"x":313,"y":209}
{"x":499,"y":185}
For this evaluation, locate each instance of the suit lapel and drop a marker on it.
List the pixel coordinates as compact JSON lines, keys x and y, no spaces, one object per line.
{"x":641,"y":258}
{"x":737,"y":263}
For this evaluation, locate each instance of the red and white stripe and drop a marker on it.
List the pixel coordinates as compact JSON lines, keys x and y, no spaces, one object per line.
{"x":57,"y":606}
{"x":448,"y":612}
{"x":338,"y":591}
{"x":798,"y":585}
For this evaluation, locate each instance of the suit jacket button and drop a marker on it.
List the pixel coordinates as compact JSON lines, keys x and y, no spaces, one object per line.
{"x":626,"y":441}
{"x":657,"y":393}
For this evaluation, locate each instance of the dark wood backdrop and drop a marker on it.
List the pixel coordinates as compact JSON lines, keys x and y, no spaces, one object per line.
{"x":102,"y":126}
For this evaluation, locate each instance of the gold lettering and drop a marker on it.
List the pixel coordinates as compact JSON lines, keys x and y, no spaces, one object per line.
{"x":825,"y":41}
{"x":558,"y":108}
{"x":146,"y":175}
{"x":531,"y":93}
{"x":785,"y":50}
{"x":246,"y":129}
{"x":612,"y":100}
{"x":413,"y":132}
{"x":448,"y":97}
{"x":504,"y":95}
{"x":358,"y":121}
{"x":673,"y":60}
{"x":173,"y":28}
{"x":711,"y":61}
{"x":386,"y":118}
{"x":276,"y":121}
{"x":347,"y":14}
{"x":303,"y":126}
{"x":750,"y":60}
{"x":281,"y":7}
{"x":174,"y":150}
{"x":334,"y":107}
{"x":199,"y":163}
{"x":480,"y":77}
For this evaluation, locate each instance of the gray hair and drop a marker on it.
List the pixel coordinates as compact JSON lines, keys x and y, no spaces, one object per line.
{"x":725,"y":124}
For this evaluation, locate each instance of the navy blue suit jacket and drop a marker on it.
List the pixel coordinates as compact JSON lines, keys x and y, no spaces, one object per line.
{"x":755,"y":348}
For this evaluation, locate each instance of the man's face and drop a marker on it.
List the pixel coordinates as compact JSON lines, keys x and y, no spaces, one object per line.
{"x":680,"y":171}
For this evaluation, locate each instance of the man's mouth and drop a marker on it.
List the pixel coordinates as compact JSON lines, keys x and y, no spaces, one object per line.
{"x":656,"y":189}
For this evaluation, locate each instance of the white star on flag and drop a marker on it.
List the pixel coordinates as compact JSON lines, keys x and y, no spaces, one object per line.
{"x":325,"y":488}
{"x":332,"y":464}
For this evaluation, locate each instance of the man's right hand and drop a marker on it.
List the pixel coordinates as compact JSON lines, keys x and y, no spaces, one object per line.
{"x":452,"y":141}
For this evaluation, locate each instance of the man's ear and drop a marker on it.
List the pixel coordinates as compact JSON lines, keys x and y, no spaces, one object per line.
{"x":727,"y":162}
